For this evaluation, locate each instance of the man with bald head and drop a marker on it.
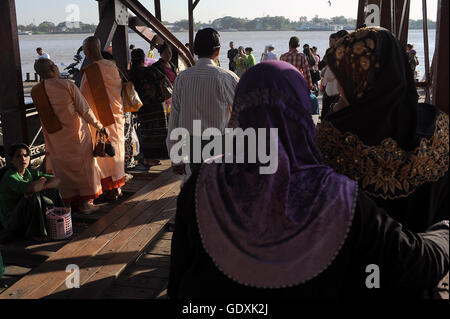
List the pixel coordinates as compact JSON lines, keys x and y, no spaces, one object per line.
{"x":65,"y":116}
{"x":101,"y":85}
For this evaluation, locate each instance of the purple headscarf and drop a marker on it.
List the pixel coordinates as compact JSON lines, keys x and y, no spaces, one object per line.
{"x":283,"y":229}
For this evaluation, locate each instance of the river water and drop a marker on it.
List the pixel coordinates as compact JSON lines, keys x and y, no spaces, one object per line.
{"x":62,"y":47}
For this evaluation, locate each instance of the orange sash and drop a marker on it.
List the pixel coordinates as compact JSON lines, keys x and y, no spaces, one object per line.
{"x":99,"y":93}
{"x":46,"y":113}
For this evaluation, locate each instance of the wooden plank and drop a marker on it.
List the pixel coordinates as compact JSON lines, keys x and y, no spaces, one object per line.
{"x":76,"y":250}
{"x":119,"y":261}
{"x":161,"y":247}
{"x":162,"y":294}
{"x":106,"y":274}
{"x":167,"y":235}
{"x":143,"y":281}
{"x":115,"y":253}
{"x":150,"y":260}
{"x":6,"y":282}
{"x":16,"y":271}
{"x":127,"y":227}
{"x":148,"y":272}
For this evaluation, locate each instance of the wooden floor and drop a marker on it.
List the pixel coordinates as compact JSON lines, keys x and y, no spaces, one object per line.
{"x":103,"y":245}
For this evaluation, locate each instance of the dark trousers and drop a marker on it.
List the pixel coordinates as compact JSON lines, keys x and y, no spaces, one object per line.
{"x":28,"y":217}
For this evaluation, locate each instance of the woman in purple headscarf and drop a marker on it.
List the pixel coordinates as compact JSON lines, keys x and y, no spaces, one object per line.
{"x":301,"y":232}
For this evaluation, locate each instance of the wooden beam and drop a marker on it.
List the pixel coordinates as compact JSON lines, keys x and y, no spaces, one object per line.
{"x":12,"y":108}
{"x":426,"y":50}
{"x":440,"y":70}
{"x":145,"y":16}
{"x":107,"y":24}
{"x":361,"y":15}
{"x":158,"y":9}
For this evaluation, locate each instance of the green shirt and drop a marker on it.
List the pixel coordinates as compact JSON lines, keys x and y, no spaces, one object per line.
{"x":12,"y":188}
{"x":250,"y":61}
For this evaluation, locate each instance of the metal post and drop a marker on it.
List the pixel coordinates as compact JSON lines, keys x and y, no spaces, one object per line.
{"x":120,"y":47}
{"x":441,"y":58}
{"x":427,"y":51}
{"x":158,"y":9}
{"x":191,"y":26}
{"x":12,"y":108}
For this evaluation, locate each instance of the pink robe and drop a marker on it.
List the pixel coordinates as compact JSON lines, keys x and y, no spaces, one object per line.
{"x":70,"y":149}
{"x":112,"y":169}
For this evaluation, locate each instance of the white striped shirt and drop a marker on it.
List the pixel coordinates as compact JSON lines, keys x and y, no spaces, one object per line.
{"x":203,"y":92}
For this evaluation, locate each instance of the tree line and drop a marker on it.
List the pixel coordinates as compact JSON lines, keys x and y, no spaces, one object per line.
{"x":266,"y":23}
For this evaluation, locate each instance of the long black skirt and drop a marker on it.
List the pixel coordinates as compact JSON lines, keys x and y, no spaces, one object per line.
{"x":152,"y":131}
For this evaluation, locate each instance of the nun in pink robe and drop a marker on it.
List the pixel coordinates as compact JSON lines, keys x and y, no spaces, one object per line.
{"x":69,"y":150}
{"x":112,"y":169}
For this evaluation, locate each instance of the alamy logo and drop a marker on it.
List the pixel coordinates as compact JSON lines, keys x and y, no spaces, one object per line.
{"x":373,"y":279}
{"x":73,"y":280}
{"x":73,"y":18}
{"x":259,"y":145}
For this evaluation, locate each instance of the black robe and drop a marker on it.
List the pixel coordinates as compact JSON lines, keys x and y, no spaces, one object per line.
{"x":409,"y":263}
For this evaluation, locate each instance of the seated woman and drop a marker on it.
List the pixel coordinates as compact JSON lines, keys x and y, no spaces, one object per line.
{"x":152,"y":130}
{"x":380,"y":136}
{"x":25,"y":195}
{"x":302,"y":232}
{"x":68,"y":145}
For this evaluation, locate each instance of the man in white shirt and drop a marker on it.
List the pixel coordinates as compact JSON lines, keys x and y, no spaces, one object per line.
{"x":203,"y":92}
{"x":42,"y":54}
{"x":270,"y":54}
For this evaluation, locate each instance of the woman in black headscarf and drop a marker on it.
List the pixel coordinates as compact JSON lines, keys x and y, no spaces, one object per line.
{"x":301,"y":232}
{"x":379,"y":135}
{"x":152,"y":130}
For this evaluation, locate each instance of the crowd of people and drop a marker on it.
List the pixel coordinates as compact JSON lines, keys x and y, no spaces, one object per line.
{"x":368,"y":186}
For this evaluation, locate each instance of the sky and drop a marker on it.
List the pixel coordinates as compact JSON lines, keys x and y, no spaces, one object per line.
{"x":36,"y":11}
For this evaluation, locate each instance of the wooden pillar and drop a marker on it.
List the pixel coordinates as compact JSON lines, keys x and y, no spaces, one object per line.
{"x":158,"y":9}
{"x":387,"y":14}
{"x":361,"y":15}
{"x":12,"y":108}
{"x":120,"y":47}
{"x":191,"y":25}
{"x":441,"y":58}
{"x":426,"y":50}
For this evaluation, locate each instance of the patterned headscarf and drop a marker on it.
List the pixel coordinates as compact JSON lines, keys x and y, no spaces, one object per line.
{"x":281,"y":229}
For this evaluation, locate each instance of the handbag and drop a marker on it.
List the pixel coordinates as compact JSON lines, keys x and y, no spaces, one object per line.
{"x":166,"y":88}
{"x":103,"y":145}
{"x":130,"y":98}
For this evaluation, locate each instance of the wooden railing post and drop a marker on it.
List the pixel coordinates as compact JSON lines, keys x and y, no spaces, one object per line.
{"x":12,"y":108}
